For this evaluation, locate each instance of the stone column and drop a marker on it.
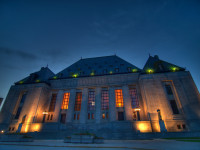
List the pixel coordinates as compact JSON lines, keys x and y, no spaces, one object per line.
{"x":59,"y":99}
{"x":83,"y":112}
{"x":127,"y":102}
{"x":112,"y":107}
{"x":70,"y":111}
{"x":98,"y":105}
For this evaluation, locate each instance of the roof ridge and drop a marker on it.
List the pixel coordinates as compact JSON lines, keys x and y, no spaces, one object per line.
{"x":97,"y":57}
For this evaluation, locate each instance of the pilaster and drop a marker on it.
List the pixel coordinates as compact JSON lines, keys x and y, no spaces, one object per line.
{"x":127,"y":102}
{"x":112,"y":107}
{"x":98,"y":105}
{"x":70,"y":110}
{"x":83,"y":113}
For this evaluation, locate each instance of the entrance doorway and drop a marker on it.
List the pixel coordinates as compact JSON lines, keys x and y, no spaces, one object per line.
{"x":120,"y":116}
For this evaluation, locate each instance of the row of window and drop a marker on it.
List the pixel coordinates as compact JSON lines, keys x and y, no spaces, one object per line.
{"x":183,"y":126}
{"x":91,"y":116}
{"x":91,"y":100}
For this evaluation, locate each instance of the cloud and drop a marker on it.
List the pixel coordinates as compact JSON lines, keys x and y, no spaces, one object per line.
{"x":17,"y":53}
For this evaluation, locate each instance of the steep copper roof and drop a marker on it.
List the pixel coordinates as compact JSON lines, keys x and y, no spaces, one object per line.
{"x":97,"y":66}
{"x":156,"y":65}
{"x":40,"y":76}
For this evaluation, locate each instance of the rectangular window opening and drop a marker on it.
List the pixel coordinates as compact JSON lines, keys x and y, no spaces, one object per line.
{"x":65,"y":102}
{"x":134,"y":98}
{"x":78,"y":116}
{"x":91,"y":100}
{"x":174,"y":107}
{"x":20,"y":105}
{"x":51,"y":117}
{"x":104,"y":100}
{"x":63,"y":118}
{"x":103,"y":116}
{"x":52,"y":103}
{"x":92,"y":115}
{"x":119,"y":98}
{"x":78,"y":101}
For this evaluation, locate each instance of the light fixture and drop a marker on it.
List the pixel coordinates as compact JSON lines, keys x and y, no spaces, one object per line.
{"x":37,"y":80}
{"x":134,"y":70}
{"x":137,"y":109}
{"x":75,"y":75}
{"x":174,"y":69}
{"x":45,"y":113}
{"x":93,"y":103}
{"x":21,"y":82}
{"x":150,"y":71}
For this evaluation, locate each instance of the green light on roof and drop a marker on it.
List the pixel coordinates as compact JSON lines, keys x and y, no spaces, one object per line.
{"x":134,"y":70}
{"x":174,"y":69}
{"x":92,"y":74}
{"x":21,"y":82}
{"x":37,"y":80}
{"x":110,"y":72}
{"x":55,"y":77}
{"x":150,"y":71}
{"x":75,"y":75}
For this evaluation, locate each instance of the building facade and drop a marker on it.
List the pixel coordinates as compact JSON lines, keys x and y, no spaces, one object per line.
{"x":106,"y":96}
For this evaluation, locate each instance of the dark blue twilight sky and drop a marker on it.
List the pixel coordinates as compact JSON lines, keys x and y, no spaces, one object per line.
{"x":58,"y":33}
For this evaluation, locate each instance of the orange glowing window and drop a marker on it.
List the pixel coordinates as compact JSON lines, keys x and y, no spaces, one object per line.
{"x":119,"y":98}
{"x":65,"y":102}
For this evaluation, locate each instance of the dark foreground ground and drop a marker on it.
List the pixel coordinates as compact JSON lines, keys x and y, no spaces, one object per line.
{"x":155,"y":144}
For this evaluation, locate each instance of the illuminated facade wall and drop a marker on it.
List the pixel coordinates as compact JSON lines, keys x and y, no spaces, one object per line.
{"x":132,"y":102}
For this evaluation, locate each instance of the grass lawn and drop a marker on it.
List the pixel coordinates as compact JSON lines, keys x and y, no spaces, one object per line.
{"x":185,"y":139}
{"x":189,"y":140}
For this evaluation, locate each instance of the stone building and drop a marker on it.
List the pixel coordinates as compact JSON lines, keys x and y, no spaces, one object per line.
{"x":1,"y":100}
{"x":104,"y":95}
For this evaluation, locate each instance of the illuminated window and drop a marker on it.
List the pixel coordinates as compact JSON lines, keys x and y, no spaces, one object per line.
{"x":20,"y":105}
{"x":103,"y":116}
{"x":78,"y":101}
{"x":65,"y":102}
{"x":119,"y":98}
{"x":91,"y":100}
{"x":104,"y":100}
{"x":74,"y":116}
{"x":134,"y":98}
{"x":88,"y":115}
{"x":52,"y":103}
